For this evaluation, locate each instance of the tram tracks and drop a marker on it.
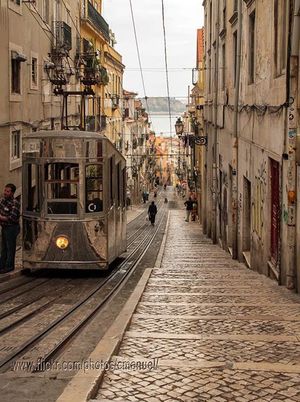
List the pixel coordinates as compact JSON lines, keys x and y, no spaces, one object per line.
{"x":51,"y":337}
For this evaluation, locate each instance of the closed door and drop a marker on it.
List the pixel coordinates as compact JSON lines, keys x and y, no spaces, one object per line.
{"x":274,"y":211}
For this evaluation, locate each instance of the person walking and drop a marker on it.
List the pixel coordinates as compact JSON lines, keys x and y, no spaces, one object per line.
{"x":194,"y":211}
{"x":189,"y":207}
{"x":9,"y":221}
{"x":152,"y":211}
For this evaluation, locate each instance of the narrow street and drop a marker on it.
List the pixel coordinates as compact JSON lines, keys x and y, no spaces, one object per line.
{"x":219,"y":331}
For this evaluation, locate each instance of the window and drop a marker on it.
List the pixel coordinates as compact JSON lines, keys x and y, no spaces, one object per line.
{"x":45,"y":11}
{"x":235,"y":5}
{"x":34,"y":66}
{"x":223,"y":66}
{"x":280,"y":35}
{"x":124,"y":185}
{"x":234,"y":56}
{"x":61,"y":181}
{"x":224,"y":16}
{"x":15,"y":152}
{"x":94,"y":188}
{"x":119,"y":179}
{"x":258,"y":207}
{"x":251,"y":65}
{"x":209,"y":75}
{"x":111,"y":181}
{"x":15,"y":73}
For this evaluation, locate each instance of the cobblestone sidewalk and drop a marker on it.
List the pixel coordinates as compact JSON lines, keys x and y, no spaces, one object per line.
{"x":215,"y":331}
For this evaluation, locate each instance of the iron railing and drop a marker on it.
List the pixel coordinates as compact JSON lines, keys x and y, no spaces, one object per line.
{"x":63,"y":36}
{"x":98,"y":21}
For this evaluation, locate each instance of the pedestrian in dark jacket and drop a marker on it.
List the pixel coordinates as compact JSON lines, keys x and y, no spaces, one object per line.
{"x":152,"y":211}
{"x":189,"y":207}
{"x":9,"y":221}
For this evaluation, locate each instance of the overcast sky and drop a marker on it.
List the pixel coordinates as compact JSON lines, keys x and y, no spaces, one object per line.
{"x":182,"y":19}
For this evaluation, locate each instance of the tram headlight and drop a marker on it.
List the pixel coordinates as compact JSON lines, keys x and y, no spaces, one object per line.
{"x":62,"y":242}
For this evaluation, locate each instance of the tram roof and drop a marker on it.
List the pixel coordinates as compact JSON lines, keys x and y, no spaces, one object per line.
{"x":66,"y":134}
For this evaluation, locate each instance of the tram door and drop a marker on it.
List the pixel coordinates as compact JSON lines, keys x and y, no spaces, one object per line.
{"x":111,"y":208}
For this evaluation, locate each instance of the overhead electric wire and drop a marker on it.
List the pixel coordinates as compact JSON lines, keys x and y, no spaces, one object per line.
{"x":139,"y":59}
{"x":43,"y":28}
{"x":166,"y":63}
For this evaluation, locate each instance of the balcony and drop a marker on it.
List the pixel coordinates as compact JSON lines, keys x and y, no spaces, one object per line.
{"x":63,"y":36}
{"x":98,"y":21}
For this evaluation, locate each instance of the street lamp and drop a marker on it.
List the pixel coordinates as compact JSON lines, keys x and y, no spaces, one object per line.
{"x":179,"y":127}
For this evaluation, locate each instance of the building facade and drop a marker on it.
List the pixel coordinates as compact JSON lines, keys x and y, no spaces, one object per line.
{"x":102,"y":67}
{"x":251,"y":119}
{"x":135,"y":137}
{"x":34,"y":38}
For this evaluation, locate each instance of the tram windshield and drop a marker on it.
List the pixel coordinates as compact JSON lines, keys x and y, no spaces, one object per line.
{"x":61,"y":181}
{"x":94,"y":188}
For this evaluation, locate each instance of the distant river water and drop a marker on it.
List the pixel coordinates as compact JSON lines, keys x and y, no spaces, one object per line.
{"x":161,"y":124}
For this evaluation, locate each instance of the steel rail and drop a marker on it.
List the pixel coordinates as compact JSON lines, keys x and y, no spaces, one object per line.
{"x":42,"y":282}
{"x":61,"y":287}
{"x":16,"y":285}
{"x":130,"y":265}
{"x":100,"y":304}
{"x":24,"y":305}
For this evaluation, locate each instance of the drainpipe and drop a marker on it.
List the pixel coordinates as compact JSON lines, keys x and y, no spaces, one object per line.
{"x":215,"y":149}
{"x":290,"y":142}
{"x":296,"y":44}
{"x":235,"y":220}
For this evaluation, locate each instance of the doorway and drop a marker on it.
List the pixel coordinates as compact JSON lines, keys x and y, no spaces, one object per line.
{"x":275,"y":212}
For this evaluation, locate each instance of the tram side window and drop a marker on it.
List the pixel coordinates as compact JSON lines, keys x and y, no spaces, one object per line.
{"x":111,"y":181}
{"x":119,"y":184}
{"x":61,"y":180}
{"x":32,"y":191}
{"x":124,"y":187}
{"x":94,"y":188}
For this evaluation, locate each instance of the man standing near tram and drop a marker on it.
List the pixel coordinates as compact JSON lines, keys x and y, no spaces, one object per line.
{"x":9,"y":221}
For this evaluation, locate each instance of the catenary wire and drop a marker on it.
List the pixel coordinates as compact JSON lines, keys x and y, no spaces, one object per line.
{"x":139,"y":59}
{"x":166,"y":63}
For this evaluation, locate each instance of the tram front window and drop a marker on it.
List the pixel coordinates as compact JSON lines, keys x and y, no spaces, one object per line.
{"x":61,"y":181}
{"x":94,"y":188}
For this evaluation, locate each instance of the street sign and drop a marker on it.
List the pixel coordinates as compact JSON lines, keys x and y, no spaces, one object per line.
{"x":201,"y":140}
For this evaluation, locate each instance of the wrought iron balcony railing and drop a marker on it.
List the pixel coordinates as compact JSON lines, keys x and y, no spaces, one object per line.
{"x":98,"y":21}
{"x":63,"y":36}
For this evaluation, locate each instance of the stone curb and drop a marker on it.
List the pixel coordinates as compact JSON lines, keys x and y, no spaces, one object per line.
{"x":163,"y":244}
{"x":85,"y":384}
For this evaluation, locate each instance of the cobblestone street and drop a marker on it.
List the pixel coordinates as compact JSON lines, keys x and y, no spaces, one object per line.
{"x":219,"y":331}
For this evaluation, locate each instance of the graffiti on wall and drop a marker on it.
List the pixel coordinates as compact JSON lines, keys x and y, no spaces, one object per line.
{"x":260,"y":187}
